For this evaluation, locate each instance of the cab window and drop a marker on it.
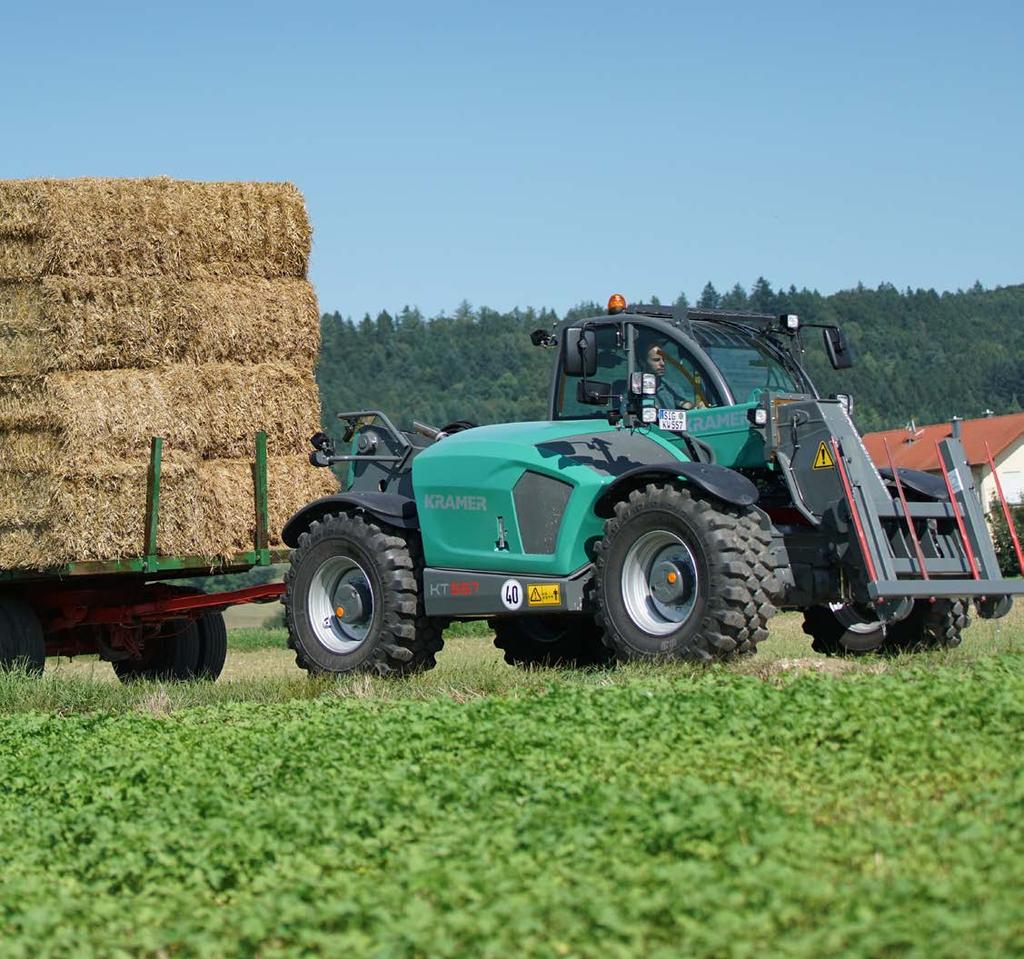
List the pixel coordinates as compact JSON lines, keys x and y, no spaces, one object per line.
{"x":747,"y":365}
{"x":680,"y":383}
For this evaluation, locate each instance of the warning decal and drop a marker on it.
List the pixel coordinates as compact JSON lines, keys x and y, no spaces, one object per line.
{"x":543,"y":594}
{"x":823,"y":459}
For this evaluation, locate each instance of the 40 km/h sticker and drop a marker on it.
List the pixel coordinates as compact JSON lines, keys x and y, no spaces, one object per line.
{"x":543,"y":594}
{"x":512,"y":594}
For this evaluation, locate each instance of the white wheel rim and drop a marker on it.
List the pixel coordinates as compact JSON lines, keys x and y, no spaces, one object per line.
{"x":852,"y":620}
{"x":643,"y":592}
{"x":340,"y":583}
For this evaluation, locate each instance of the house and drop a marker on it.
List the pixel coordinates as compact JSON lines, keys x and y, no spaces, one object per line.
{"x":914,"y":447}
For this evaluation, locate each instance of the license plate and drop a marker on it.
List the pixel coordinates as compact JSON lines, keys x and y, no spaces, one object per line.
{"x":672,"y":420}
{"x":543,"y":594}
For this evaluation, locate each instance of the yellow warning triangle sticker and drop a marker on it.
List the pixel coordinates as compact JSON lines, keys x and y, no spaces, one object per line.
{"x":823,"y":458}
{"x":535,"y":596}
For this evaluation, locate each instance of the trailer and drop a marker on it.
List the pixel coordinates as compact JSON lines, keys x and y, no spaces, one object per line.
{"x":132,"y":611}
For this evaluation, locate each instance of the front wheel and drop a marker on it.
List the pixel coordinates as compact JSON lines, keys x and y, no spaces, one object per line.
{"x":680,"y":577}
{"x":352,"y":600}
{"x":844,"y":629}
{"x":541,"y":641}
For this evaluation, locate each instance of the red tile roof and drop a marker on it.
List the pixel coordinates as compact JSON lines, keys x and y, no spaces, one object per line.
{"x":918,"y":452}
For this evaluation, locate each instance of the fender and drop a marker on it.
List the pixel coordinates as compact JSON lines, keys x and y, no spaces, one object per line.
{"x":923,"y":483}
{"x":720,"y":481}
{"x":389,"y":508}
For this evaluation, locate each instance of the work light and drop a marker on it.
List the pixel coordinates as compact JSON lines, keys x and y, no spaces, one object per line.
{"x":643,"y":384}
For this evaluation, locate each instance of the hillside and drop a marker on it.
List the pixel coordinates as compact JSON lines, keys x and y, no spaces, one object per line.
{"x":921,"y":355}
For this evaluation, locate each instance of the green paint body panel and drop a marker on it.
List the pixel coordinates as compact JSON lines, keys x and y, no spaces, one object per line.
{"x":486,"y":463}
{"x":478,"y":470}
{"x":481,"y":467}
{"x":728,"y":431}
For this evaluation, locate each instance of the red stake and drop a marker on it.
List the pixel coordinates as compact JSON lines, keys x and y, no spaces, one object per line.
{"x":956,"y":513}
{"x":906,"y":509}
{"x":854,"y":512}
{"x":1006,"y":509}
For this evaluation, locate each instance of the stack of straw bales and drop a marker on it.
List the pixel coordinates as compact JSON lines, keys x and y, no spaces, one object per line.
{"x":139,"y":308}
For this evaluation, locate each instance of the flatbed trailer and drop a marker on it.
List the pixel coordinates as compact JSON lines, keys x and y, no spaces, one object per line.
{"x":130,"y":611}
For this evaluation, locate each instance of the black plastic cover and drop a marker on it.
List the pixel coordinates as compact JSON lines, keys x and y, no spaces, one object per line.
{"x":394,"y":510}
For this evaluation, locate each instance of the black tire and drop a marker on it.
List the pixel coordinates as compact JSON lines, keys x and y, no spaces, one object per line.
{"x":398,"y":637}
{"x":22,"y":645}
{"x":172,"y":655}
{"x":929,"y":626}
{"x":567,"y":641}
{"x":213,"y":646}
{"x":732,"y":584}
{"x":838,"y":632}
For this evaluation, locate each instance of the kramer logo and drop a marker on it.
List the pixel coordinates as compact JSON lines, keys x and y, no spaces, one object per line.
{"x":475,"y":504}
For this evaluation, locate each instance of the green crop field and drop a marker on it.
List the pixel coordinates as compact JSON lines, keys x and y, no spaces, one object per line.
{"x":784,"y":805}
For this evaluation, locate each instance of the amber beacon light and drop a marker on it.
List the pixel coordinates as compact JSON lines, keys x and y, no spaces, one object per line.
{"x":616,"y":303}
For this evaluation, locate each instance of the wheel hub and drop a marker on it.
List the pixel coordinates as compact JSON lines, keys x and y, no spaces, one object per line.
{"x":659,"y":582}
{"x":340,"y":604}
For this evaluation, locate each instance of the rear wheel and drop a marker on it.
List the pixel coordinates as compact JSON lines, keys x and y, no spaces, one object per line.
{"x":213,"y":645}
{"x":352,"y":600}
{"x":679,"y":577}
{"x":542,"y":641}
{"x":21,"y":637}
{"x":172,"y":654}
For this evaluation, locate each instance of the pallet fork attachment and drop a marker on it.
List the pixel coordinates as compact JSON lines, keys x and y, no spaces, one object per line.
{"x":890,"y":545}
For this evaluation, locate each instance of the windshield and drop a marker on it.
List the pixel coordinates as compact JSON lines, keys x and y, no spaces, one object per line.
{"x":747,"y":363}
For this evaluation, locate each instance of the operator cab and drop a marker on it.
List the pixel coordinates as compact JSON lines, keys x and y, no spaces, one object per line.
{"x":693,"y":360}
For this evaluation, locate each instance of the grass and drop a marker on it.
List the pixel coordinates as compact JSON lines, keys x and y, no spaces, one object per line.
{"x":781,"y":805}
{"x":261,"y":669}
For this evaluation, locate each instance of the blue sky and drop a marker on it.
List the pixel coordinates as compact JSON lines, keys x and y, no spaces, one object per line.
{"x":539,"y":154}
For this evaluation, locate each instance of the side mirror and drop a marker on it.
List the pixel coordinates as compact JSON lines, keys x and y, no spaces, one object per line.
{"x":838,"y":348}
{"x":593,"y":393}
{"x":580,"y":356}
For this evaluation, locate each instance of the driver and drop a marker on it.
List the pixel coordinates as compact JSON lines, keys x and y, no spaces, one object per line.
{"x":665,"y":395}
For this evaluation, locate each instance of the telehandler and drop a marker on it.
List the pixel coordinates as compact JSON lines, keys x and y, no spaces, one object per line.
{"x":688,"y":482}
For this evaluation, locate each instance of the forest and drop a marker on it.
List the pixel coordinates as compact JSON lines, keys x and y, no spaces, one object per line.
{"x":920,"y":355}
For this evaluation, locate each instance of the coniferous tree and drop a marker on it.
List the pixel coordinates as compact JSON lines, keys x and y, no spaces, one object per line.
{"x":709,"y":297}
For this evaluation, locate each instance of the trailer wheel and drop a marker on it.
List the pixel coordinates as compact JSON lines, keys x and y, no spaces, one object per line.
{"x":844,"y":629}
{"x":678,"y":577}
{"x":352,"y":600}
{"x":937,"y":625}
{"x":213,"y":645}
{"x":542,"y":641}
{"x":22,"y":645}
{"x":173,"y":655}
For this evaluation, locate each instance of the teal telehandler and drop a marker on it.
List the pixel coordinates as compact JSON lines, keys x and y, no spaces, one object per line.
{"x":688,"y":482}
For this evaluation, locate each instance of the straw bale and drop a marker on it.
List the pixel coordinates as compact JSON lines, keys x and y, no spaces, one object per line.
{"x":206,"y":509}
{"x":96,"y":514}
{"x":151,"y":227}
{"x":96,"y":323}
{"x":209,"y":411}
{"x":291,"y":483}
